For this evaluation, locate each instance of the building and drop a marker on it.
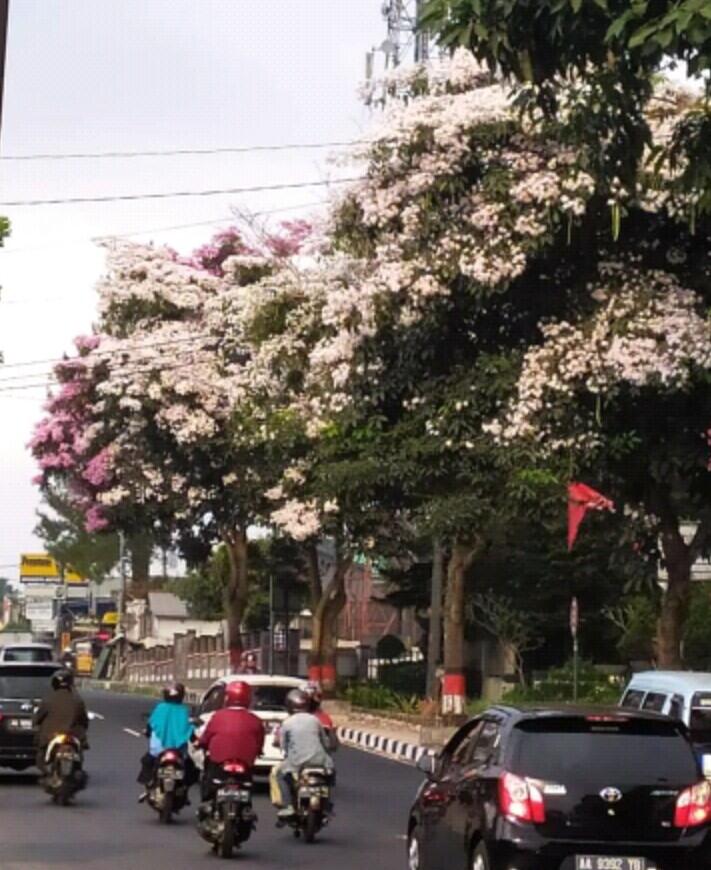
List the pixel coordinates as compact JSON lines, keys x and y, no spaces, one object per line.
{"x":159,"y":617}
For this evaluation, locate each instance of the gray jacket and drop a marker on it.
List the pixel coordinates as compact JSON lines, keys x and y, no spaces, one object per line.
{"x":305,"y":743}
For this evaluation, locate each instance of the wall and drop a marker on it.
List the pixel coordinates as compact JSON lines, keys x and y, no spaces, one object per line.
{"x":165,"y":628}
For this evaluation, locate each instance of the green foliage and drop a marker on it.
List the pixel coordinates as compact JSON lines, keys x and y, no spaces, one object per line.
{"x":636,"y":620}
{"x":374,"y":696}
{"x":593,"y":687}
{"x":697,"y":637}
{"x":62,"y":529}
{"x":405,"y":678}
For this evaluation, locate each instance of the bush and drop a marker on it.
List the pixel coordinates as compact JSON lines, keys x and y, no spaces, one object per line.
{"x":593,"y":687}
{"x":375,"y":696}
{"x":697,"y":638}
{"x":409,"y":678}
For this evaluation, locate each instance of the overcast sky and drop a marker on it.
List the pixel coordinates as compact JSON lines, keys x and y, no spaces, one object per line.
{"x":117,"y":75}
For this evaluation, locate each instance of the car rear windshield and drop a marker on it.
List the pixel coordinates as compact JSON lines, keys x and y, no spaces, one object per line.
{"x":700,"y":718}
{"x":26,"y":682}
{"x":27,"y":654}
{"x":270,"y":697}
{"x":603,"y":750}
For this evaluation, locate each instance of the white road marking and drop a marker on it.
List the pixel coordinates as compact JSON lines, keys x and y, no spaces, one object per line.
{"x":132,"y":732}
{"x":93,"y":715}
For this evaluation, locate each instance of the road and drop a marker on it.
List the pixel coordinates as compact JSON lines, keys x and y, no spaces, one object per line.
{"x":107,"y":830}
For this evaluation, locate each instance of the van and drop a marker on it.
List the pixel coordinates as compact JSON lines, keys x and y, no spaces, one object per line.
{"x":683,"y":695}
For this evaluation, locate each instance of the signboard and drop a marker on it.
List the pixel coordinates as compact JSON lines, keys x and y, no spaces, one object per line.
{"x":110,"y":618}
{"x":37,"y":610}
{"x":42,"y":568}
{"x":574,"y":617}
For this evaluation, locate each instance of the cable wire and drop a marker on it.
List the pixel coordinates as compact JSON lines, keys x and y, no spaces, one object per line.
{"x":178,"y":152}
{"x":131,"y":197}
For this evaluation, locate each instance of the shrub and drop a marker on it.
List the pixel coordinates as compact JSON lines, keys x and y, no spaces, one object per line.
{"x":389,"y":647}
{"x":593,"y":687}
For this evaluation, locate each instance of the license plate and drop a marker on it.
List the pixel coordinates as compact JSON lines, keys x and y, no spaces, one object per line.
{"x":233,"y":794}
{"x":172,"y":774}
{"x":607,"y":862}
{"x":20,"y":724}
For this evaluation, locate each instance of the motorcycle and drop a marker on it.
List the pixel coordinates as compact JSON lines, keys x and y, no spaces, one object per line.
{"x":228,"y":819}
{"x":312,"y":802}
{"x":168,"y":793}
{"x":65,"y":775}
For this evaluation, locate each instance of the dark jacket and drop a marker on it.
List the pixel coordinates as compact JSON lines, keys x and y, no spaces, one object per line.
{"x":62,"y":712}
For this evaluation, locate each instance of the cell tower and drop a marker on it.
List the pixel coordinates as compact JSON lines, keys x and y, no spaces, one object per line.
{"x":404,"y":43}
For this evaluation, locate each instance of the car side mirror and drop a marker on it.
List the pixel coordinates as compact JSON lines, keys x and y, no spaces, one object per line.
{"x":427,"y":763}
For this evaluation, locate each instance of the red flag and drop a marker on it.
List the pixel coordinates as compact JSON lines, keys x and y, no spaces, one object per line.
{"x":581,"y":499}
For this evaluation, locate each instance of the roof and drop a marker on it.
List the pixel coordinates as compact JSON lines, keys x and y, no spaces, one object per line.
{"x":264,"y":680}
{"x":167,"y":605}
{"x":26,"y":646}
{"x":573,"y":710}
{"x":677,"y":681}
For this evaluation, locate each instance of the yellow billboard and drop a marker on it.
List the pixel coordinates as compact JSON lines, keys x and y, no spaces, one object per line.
{"x":41,"y":567}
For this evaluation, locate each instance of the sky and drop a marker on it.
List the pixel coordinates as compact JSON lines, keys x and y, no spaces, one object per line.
{"x":88,"y":76}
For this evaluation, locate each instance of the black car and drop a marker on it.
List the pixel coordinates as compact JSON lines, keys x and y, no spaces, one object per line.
{"x":562,"y":789}
{"x":22,"y":687}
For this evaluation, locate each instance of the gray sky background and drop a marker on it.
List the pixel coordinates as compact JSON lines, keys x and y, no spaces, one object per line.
{"x":108,"y":75}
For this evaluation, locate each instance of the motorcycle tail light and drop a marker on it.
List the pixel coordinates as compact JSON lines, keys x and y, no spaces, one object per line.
{"x":693,"y":806}
{"x":234,"y":767}
{"x":521,"y":799}
{"x":170,"y":756}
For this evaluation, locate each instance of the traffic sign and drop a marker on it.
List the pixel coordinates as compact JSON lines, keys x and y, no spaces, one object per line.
{"x":574,"y":617}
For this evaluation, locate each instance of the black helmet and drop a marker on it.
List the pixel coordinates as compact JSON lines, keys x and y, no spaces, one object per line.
{"x":313,"y":692}
{"x":62,"y":679}
{"x":297,"y":701}
{"x":175,"y":693}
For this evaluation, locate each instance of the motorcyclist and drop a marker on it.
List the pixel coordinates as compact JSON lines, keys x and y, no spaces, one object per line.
{"x":169,"y":727}
{"x":62,"y":712}
{"x":313,"y":692}
{"x":232,"y":734}
{"x":305,"y":744}
{"x":248,"y":664}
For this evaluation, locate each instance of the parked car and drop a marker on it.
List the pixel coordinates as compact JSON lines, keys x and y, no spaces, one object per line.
{"x":27,"y":652}
{"x":268,"y":702}
{"x":682,"y":695}
{"x":22,"y":686}
{"x":562,"y":789}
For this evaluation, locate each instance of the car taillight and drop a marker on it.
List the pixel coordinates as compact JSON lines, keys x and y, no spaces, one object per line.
{"x":521,"y":799}
{"x":234,"y":767}
{"x":693,"y":806}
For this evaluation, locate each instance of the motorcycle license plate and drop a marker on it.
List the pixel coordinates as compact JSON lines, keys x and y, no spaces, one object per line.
{"x":235,"y":794}
{"x":608,"y":862}
{"x":20,"y":724}
{"x":173,"y":774}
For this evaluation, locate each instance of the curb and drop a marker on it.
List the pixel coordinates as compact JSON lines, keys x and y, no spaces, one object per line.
{"x":390,"y":747}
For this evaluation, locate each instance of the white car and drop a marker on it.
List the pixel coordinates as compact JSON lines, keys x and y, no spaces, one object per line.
{"x":27,"y":653}
{"x":268,"y":702}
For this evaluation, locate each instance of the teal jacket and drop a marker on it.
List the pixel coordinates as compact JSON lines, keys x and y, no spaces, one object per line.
{"x":170,"y":726}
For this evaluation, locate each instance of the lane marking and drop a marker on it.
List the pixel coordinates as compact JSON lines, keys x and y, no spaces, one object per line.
{"x":132,"y":732}
{"x":97,"y":716}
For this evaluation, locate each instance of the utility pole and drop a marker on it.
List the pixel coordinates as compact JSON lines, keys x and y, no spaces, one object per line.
{"x":122,"y":567}
{"x":434,"y":642}
{"x":404,"y":41}
{"x":4,"y":15}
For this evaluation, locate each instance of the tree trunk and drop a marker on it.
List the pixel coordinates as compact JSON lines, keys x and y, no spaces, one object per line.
{"x":454,"y":688}
{"x":434,"y":643}
{"x":236,"y":592}
{"x":141,"y":549}
{"x":675,"y":604}
{"x":327,"y":602}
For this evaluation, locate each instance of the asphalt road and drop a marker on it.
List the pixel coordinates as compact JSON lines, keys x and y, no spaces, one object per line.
{"x":107,"y":830}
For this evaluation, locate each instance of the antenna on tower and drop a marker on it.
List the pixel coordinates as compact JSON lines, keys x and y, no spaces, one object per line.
{"x":404,"y":41}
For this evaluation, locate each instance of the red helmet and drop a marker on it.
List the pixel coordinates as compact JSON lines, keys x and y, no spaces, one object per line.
{"x":238,"y":694}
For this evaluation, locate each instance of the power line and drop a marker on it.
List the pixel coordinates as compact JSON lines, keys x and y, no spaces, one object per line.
{"x":99,"y":352}
{"x":178,"y":152}
{"x":130,"y":197}
{"x":128,"y":235}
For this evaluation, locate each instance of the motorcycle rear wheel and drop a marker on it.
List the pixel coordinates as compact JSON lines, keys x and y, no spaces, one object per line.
{"x":313,"y":825}
{"x":166,"y":810}
{"x":227,"y":841}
